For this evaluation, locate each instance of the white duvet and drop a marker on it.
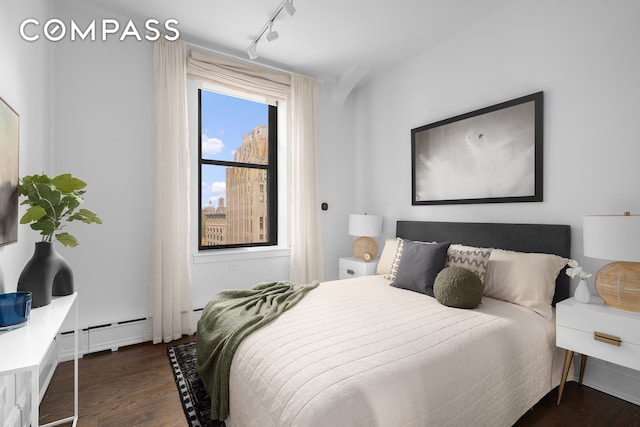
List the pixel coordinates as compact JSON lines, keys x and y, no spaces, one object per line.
{"x":359,"y":352}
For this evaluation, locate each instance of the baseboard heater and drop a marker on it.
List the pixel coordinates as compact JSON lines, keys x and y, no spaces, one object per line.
{"x":107,"y":336}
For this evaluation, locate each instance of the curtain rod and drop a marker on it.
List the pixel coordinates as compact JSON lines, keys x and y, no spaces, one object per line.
{"x":246,"y":61}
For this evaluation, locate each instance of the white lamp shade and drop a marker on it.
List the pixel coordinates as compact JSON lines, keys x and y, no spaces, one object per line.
{"x":365,"y":225}
{"x":612,"y":237}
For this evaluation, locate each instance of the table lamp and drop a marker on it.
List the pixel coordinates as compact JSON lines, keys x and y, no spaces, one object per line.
{"x":615,"y":237}
{"x":365,"y":227}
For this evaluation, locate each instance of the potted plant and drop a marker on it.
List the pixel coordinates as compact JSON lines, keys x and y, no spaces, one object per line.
{"x":53,"y":202}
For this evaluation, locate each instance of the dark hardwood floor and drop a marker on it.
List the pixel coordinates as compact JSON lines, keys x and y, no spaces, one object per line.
{"x":135,"y":387}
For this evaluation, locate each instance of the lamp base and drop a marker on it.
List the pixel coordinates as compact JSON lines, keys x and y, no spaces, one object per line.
{"x":364,"y":245}
{"x":618,"y":284}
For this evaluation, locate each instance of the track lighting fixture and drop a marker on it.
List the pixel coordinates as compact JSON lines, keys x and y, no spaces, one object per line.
{"x":286,"y":5}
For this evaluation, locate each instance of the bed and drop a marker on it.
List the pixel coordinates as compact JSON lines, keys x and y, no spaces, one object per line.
{"x":360,"y":352}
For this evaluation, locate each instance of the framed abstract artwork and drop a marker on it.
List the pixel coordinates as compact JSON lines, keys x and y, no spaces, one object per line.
{"x":9,"y":135}
{"x":491,"y":155}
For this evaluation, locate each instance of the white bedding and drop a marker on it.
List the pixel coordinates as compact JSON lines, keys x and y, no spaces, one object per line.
{"x":359,"y":352}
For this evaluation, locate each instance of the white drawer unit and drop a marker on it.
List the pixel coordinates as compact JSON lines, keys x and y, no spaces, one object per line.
{"x":352,"y":267}
{"x":599,"y":331}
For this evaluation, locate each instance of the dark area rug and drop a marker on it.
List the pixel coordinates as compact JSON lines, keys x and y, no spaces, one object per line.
{"x":193,"y":396}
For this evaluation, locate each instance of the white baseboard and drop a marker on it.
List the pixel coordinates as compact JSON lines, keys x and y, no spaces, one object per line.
{"x":612,"y":379}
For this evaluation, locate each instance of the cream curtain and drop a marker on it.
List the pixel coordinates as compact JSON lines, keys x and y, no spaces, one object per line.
{"x":171,"y":305}
{"x":305,"y":223}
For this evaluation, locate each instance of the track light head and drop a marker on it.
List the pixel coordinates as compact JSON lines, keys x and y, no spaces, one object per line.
{"x":288,"y":7}
{"x":251,"y":51}
{"x":272,"y":35}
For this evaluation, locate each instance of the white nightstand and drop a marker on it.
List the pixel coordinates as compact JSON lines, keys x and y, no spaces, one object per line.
{"x":598,"y":331}
{"x":352,"y":267}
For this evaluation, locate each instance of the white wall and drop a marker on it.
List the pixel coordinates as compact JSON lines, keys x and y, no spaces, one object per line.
{"x":104,"y":135}
{"x":338,"y":169}
{"x":25,"y":84}
{"x":582,"y":54}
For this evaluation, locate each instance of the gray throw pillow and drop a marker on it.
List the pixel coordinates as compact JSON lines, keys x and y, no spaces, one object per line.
{"x":458,"y":287}
{"x":420,"y":264}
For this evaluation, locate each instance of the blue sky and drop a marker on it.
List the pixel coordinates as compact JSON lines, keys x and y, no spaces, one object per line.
{"x":225,"y":120}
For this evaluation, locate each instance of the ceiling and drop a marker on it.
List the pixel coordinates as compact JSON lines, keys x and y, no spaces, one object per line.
{"x":328,"y":39}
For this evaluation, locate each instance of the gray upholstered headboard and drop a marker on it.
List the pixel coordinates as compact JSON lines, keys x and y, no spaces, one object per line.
{"x":543,"y":238}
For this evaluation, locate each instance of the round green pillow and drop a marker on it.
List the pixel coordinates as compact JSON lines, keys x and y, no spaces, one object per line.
{"x":458,"y":287}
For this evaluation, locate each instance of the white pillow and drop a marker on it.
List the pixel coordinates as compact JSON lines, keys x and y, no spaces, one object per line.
{"x":526,"y":279}
{"x":387,"y":255}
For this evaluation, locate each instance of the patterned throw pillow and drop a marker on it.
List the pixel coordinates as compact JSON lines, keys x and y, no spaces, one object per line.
{"x":469,"y":257}
{"x":386,"y":257}
{"x":393,"y":271}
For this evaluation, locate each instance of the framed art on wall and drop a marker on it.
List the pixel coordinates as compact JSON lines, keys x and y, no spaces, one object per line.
{"x":9,"y":133}
{"x":489,"y":155}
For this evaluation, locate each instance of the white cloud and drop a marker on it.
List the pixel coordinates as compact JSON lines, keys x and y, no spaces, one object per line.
{"x":211,"y":146}
{"x":213,"y":191}
{"x":219,"y":188}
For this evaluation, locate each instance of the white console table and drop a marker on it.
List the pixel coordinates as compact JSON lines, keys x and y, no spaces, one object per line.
{"x":24,"y":349}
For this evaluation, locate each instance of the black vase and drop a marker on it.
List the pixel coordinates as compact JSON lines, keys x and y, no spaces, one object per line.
{"x":47,"y":273}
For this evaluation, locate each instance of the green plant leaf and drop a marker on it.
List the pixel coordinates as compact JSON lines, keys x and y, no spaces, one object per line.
{"x":86,"y":216}
{"x":34,"y":213}
{"x":49,"y":193}
{"x":67,"y":183}
{"x":71,"y":202}
{"x":34,"y":179}
{"x":46,"y":226}
{"x":67,"y":239}
{"x":90,"y":217}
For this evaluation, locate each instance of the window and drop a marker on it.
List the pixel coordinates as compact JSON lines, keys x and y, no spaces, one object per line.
{"x":237,"y":172}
